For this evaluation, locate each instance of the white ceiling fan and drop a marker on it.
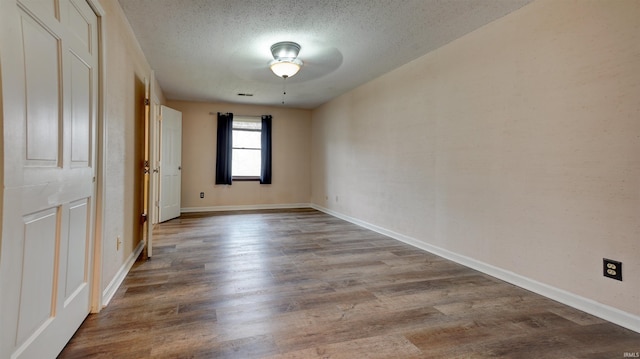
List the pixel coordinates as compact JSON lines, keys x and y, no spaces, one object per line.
{"x":299,"y":61}
{"x":292,"y":63}
{"x":285,"y":59}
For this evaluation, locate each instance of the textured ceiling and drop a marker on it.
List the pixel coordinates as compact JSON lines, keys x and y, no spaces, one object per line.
{"x":211,"y":50}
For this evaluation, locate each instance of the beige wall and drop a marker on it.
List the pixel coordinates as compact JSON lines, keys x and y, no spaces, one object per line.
{"x":291,"y":183}
{"x":126,"y":71}
{"x":1,"y":159}
{"x":517,"y":145}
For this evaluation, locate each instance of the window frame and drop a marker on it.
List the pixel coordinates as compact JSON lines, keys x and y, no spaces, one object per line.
{"x":258,"y":120}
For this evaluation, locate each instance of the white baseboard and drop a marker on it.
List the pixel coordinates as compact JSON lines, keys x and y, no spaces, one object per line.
{"x":117,"y":280}
{"x":611,"y":314}
{"x":251,"y":207}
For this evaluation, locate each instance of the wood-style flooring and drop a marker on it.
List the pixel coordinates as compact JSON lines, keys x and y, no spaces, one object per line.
{"x":303,"y":284}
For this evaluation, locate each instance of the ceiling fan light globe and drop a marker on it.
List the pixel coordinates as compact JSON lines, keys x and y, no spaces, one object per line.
{"x":285,"y":68}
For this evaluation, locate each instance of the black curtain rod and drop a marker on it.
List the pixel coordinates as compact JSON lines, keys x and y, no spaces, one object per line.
{"x":226,"y":113}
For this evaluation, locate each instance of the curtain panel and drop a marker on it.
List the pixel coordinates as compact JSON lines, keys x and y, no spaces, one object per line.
{"x":224,"y":148}
{"x":265,"y":154}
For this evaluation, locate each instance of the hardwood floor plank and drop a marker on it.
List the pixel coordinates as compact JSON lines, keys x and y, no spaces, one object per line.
{"x":286,"y":284}
{"x":374,"y":347}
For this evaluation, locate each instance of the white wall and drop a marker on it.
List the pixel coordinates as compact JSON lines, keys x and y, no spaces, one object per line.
{"x":517,"y":146}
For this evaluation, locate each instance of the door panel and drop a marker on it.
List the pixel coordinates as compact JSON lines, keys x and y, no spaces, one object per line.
{"x":80,"y":111}
{"x":79,"y":25}
{"x":42,"y":9}
{"x":43,"y":97}
{"x":170,"y":163}
{"x":37,"y":295}
{"x":50,"y":75}
{"x":77,"y":246}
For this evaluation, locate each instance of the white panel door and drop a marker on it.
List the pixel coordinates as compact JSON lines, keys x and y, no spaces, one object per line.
{"x":170,"y":163}
{"x":49,"y":56}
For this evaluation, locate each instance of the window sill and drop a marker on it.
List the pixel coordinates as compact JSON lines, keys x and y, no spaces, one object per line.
{"x":245,"y":178}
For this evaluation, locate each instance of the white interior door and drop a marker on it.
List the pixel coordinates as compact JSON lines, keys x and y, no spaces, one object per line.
{"x":155,"y":158}
{"x":170,"y":162}
{"x":154,"y":155}
{"x":49,"y":56}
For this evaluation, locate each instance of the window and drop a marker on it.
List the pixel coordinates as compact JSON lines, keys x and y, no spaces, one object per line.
{"x":243,"y":149}
{"x":246,"y":150}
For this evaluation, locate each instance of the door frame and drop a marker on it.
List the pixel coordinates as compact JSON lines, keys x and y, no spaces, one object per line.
{"x":141,"y":145}
{"x":101,"y":140}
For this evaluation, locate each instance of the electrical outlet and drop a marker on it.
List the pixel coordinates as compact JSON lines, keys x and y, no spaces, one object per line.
{"x":612,"y":269}
{"x":201,"y":194}
{"x":118,"y":243}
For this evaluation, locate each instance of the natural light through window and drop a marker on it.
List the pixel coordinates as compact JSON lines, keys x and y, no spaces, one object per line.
{"x":245,"y":160}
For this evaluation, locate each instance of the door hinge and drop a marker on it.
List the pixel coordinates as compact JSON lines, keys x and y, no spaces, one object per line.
{"x":147,"y":102}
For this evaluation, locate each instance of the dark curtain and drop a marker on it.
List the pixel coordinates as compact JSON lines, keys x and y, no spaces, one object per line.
{"x":223,"y":148}
{"x":265,"y":175}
